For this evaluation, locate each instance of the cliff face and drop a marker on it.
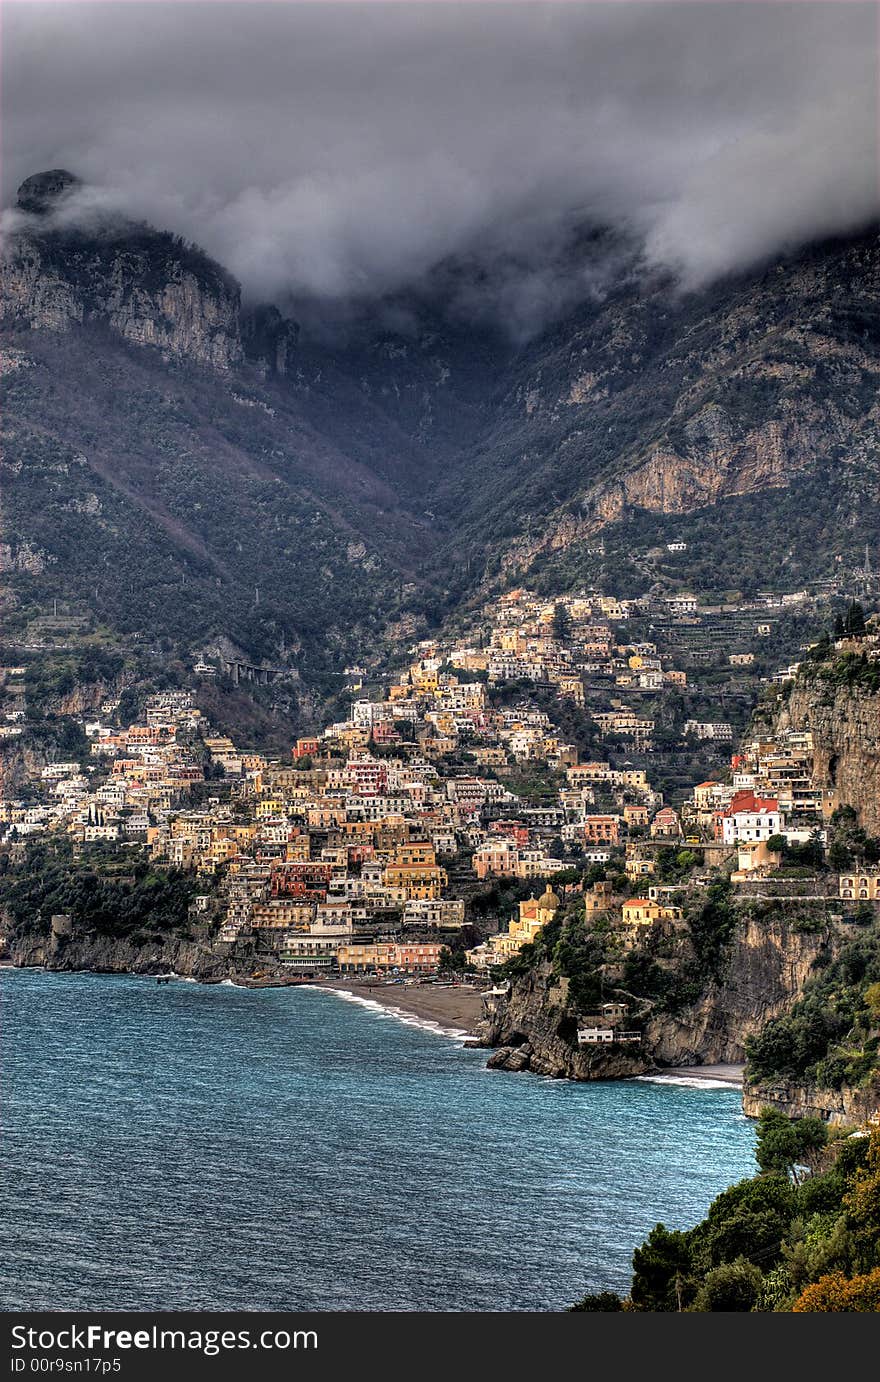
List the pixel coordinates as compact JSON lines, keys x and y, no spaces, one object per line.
{"x":195,"y":956}
{"x":718,"y":459}
{"x":845,"y":723}
{"x":852,"y":1107}
{"x":767,"y":965}
{"x":648,"y":402}
{"x":139,"y":291}
{"x":534,"y":1029}
{"x":145,"y":285}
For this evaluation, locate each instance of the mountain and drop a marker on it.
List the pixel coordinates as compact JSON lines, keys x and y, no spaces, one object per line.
{"x":196,"y":474}
{"x":161,"y":468}
{"x":743,"y":419}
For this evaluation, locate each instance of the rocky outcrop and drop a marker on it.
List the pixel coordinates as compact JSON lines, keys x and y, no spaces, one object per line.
{"x":269,"y":339}
{"x":182,"y":315}
{"x":41,"y":192}
{"x":849,"y":1106}
{"x":719,"y":461}
{"x":147,"y":286}
{"x":767,"y":966}
{"x":34,"y":294}
{"x":535,"y":1028}
{"x":61,"y":945}
{"x":845,"y":724}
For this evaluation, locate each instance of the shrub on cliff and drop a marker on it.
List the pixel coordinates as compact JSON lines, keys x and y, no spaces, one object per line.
{"x":111,"y":891}
{"x":835,"y":1293}
{"x":605,"y":1300}
{"x":733,"y":1286}
{"x":785,"y":1144}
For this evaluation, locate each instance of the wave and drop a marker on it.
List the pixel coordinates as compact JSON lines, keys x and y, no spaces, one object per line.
{"x":688,"y":1081}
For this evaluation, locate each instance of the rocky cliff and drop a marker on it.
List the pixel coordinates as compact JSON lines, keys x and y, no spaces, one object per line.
{"x":57,"y":944}
{"x":768,"y":962}
{"x":147,"y":286}
{"x":850,"y":1106}
{"x":650,"y":404}
{"x":845,"y":724}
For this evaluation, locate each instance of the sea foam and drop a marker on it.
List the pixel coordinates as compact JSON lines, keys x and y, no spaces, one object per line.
{"x":408,"y":1019}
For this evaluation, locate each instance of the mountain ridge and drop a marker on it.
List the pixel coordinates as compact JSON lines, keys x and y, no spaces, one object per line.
{"x":316,"y":494}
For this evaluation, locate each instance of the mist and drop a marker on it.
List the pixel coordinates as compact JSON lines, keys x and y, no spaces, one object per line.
{"x":340,"y":153}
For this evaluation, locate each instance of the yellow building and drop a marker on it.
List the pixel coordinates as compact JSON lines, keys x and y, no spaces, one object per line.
{"x":424,"y":678}
{"x":416,"y":852}
{"x":417,"y":880}
{"x":641,"y":911}
{"x":533,"y":914}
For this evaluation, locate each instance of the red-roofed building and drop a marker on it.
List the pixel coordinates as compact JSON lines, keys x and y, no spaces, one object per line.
{"x":749,"y":818}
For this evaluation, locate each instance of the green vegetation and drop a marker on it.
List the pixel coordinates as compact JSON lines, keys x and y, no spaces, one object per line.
{"x":852,"y":670}
{"x":51,"y":677}
{"x":830,"y":1036}
{"x":670,"y":970}
{"x":113,"y":891}
{"x":803,"y":1235}
{"x":848,"y":844}
{"x":852,"y":624}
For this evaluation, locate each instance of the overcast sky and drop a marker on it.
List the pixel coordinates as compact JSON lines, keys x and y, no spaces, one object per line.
{"x":342,"y":150}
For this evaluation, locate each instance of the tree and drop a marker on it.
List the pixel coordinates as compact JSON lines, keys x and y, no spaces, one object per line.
{"x":732,"y":1286}
{"x":862,"y":1206}
{"x":605,"y":1300}
{"x":786,"y":1144}
{"x":662,"y":1268}
{"x":872,"y":1000}
{"x":837,"y":1293}
{"x":562,"y":624}
{"x":748,"y":1220}
{"x":854,"y":623}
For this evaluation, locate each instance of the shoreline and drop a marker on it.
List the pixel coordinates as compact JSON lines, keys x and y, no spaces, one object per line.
{"x":727,"y":1074}
{"x":457,"y":1006}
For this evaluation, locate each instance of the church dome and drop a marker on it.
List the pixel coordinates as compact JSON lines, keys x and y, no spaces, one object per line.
{"x":549,"y":901}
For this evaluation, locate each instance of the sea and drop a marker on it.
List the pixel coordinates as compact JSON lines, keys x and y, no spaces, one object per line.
{"x":196,"y":1147}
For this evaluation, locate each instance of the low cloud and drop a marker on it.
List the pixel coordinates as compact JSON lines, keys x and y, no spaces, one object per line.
{"x":344,"y":152}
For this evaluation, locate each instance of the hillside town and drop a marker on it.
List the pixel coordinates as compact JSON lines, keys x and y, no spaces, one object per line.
{"x":364,"y":851}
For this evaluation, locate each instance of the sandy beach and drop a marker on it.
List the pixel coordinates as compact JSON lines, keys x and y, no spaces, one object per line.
{"x":457,"y":1006}
{"x":725,"y":1074}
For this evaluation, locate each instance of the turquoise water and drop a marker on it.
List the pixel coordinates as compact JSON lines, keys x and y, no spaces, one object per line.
{"x":191,"y":1147}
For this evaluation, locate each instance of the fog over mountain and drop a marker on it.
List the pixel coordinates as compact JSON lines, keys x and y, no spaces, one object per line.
{"x":344,"y":151}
